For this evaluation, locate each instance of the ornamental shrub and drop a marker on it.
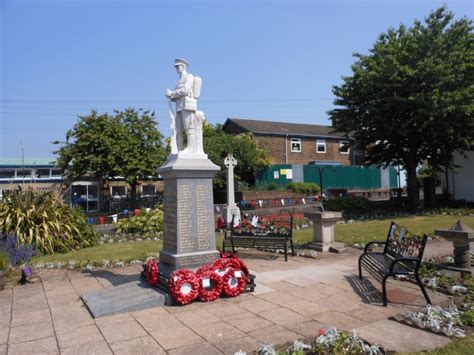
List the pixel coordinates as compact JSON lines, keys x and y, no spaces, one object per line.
{"x":303,"y":187}
{"x":349,"y":205}
{"x":44,"y":221}
{"x":147,"y":224}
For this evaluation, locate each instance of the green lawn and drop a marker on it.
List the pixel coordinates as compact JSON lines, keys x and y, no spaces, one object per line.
{"x":361,"y":232}
{"x":127,"y":251}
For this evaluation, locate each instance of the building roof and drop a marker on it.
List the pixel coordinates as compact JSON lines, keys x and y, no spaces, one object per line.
{"x":29,"y":162}
{"x":283,"y":128}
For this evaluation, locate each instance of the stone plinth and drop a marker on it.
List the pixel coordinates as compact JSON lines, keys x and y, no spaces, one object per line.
{"x":323,"y":231}
{"x":460,"y":235}
{"x":188,"y":236}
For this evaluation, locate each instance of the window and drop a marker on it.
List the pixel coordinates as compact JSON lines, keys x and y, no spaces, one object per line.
{"x":296,"y":145}
{"x":7,"y":174}
{"x":42,"y":173}
{"x":344,"y":147}
{"x":56,"y":172}
{"x":85,"y":195}
{"x":320,"y":146}
{"x":118,"y":191}
{"x":148,"y":189}
{"x":23,"y":173}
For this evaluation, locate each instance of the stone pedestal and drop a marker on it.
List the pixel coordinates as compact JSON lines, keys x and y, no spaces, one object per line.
{"x":323,"y":231}
{"x":189,"y":237}
{"x":460,"y":235}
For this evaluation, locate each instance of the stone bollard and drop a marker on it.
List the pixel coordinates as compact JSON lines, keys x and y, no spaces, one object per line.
{"x":460,"y":235}
{"x":323,"y":231}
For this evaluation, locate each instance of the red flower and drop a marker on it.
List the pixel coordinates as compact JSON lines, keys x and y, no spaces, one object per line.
{"x":321,"y":332}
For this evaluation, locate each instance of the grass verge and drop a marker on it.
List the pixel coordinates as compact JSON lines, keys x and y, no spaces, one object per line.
{"x":364,"y":232}
{"x":357,"y":232}
{"x":126,"y":251}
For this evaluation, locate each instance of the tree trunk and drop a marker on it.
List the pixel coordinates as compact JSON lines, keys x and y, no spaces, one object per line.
{"x":133,"y":196}
{"x":412,"y":188}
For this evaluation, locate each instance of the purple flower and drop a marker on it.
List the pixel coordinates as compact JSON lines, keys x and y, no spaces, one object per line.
{"x":17,"y":253}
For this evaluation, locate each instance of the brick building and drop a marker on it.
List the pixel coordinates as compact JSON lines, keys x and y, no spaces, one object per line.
{"x":296,"y":143}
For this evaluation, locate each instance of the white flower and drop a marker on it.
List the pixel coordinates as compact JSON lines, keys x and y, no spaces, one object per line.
{"x":267,"y":349}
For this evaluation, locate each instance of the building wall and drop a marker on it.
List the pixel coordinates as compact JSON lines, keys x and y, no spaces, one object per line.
{"x":276,"y":147}
{"x":461,"y":180}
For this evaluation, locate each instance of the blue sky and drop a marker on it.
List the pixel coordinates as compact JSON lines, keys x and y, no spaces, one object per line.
{"x":272,"y":60}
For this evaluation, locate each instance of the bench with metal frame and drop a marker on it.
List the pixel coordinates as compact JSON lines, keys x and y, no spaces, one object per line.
{"x":273,"y":234}
{"x":402,"y":255}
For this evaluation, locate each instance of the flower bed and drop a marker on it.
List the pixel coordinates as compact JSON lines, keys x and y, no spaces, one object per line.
{"x":331,"y":341}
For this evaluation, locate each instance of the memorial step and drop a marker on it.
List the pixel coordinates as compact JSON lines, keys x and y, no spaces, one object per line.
{"x":128,"y":297}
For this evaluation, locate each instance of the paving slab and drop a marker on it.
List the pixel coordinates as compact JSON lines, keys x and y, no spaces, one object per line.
{"x":175,"y":337}
{"x":31,"y":317}
{"x":131,"y":296}
{"x":274,"y":334}
{"x":338,"y":320}
{"x":41,"y":346}
{"x":143,"y":345}
{"x":231,"y":346}
{"x":283,"y":316}
{"x":196,"y":349}
{"x":394,"y":336}
{"x":80,"y":336}
{"x":99,"y":347}
{"x":116,"y":332}
{"x":307,"y":329}
{"x":29,"y":332}
{"x":247,"y":322}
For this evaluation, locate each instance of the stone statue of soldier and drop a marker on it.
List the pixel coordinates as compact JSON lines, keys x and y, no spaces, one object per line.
{"x":187,"y":119}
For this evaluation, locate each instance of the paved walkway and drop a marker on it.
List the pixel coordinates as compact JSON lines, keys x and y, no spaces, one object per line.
{"x":292,"y":300}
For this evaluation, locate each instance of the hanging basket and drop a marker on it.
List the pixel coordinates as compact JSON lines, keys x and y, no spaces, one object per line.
{"x":152,"y":272}
{"x":234,"y":282}
{"x":184,"y":286}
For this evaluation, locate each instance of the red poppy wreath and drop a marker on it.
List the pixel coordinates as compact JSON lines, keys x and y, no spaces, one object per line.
{"x":210,"y":284}
{"x":234,"y":282}
{"x":152,"y":272}
{"x":184,"y":286}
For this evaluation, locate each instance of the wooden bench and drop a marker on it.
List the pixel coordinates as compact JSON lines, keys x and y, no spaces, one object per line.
{"x":402,"y":255}
{"x":275,"y":233}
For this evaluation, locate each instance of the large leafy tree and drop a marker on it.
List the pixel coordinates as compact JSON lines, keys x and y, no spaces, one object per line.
{"x":249,"y":155}
{"x":411,"y":99}
{"x":126,"y":144}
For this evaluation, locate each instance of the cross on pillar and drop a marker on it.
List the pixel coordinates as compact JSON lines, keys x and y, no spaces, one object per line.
{"x":230,"y":163}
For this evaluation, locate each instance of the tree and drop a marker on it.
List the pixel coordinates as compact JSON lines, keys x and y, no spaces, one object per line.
{"x":250,"y":157}
{"x":411,"y":99}
{"x":126,"y":144}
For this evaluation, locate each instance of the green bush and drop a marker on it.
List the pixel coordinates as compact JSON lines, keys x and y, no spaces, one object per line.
{"x":351,"y":204}
{"x":467,"y":318}
{"x":147,"y":224}
{"x":44,"y":221}
{"x":271,"y":186}
{"x":303,"y":187}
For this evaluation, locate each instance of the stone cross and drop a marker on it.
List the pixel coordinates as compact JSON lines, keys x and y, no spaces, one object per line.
{"x":232,"y":208}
